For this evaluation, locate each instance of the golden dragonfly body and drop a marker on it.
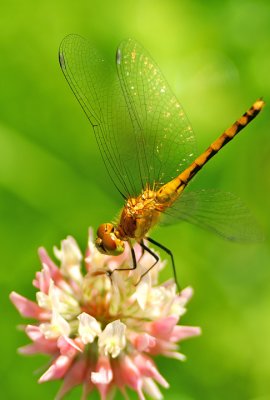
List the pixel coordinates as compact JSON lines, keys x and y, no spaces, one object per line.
{"x":144,"y":135}
{"x":142,"y":213}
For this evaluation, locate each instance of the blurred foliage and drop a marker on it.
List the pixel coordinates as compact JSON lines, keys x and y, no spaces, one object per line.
{"x":215,"y":56}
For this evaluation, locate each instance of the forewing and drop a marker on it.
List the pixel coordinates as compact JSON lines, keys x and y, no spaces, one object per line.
{"x":220,"y":212}
{"x":164,"y":141}
{"x":96,"y":86}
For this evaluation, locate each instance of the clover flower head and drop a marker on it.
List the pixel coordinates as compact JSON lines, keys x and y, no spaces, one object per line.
{"x":103,"y":333}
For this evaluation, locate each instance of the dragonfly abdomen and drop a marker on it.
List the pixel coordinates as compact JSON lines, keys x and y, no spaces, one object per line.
{"x":169,"y":192}
{"x":217,"y":145}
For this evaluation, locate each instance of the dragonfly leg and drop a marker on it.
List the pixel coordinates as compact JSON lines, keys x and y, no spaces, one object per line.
{"x":168,"y":251}
{"x":145,"y":248}
{"x":134,"y":263}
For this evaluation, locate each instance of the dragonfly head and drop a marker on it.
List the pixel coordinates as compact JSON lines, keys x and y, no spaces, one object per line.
{"x":107,"y":242}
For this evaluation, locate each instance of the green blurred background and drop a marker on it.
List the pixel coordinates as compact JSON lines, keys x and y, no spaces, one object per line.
{"x":215,"y":56}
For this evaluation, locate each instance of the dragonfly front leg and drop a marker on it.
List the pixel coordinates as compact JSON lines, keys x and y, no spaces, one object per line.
{"x":168,"y":251}
{"x":134,"y":263}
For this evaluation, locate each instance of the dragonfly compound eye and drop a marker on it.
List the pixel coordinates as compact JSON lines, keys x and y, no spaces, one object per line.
{"x":104,"y":229}
{"x":107,"y":242}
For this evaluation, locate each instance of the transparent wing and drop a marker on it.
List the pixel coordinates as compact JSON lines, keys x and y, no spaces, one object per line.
{"x":164,"y":138}
{"x":140,"y":127}
{"x":219,"y":212}
{"x":97,"y":88}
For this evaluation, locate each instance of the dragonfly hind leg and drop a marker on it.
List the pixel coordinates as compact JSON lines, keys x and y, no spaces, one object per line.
{"x":168,"y":251}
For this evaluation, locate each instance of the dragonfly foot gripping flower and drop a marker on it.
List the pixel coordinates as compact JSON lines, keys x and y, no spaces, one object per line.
{"x":103,"y":333}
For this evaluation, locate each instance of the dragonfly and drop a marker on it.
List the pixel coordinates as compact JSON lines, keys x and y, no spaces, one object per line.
{"x":148,"y":148}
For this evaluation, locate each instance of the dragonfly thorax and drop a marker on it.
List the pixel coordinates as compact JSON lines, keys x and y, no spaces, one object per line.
{"x":138,"y":216}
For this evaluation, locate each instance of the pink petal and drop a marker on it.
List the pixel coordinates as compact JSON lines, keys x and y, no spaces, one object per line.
{"x":102,"y":376}
{"x":42,"y":280}
{"x":103,"y":372}
{"x":181,"y":332}
{"x":167,"y":349}
{"x":45,"y":259}
{"x":41,"y":344}
{"x":143,"y":342}
{"x":126,"y":373}
{"x":68,"y":346}
{"x":38,"y":348}
{"x":88,"y":385}
{"x":75,"y":376}
{"x":57,"y":370}
{"x":34,"y":332}
{"x":162,"y":347}
{"x":175,"y":354}
{"x":147,"y":368}
{"x":150,"y":387}
{"x":162,"y":328}
{"x":27,"y":308}
{"x":186,"y":293}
